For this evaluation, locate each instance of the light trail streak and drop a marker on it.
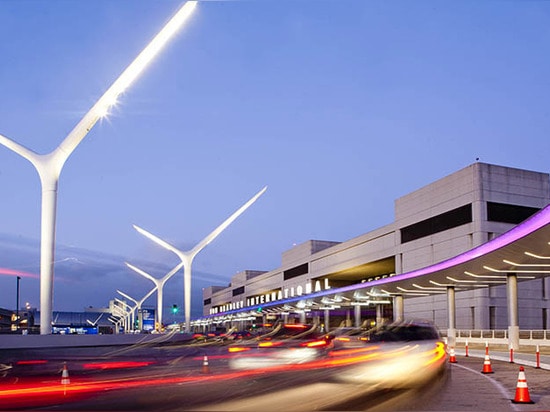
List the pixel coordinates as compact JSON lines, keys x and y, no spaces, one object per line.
{"x":29,"y":394}
{"x":116,"y":365}
{"x":13,"y":272}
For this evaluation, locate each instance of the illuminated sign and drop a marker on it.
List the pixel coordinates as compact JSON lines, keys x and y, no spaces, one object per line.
{"x":286,"y":293}
{"x":147,"y":319}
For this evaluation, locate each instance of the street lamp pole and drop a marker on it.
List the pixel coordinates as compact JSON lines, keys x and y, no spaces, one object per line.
{"x":17,"y":303}
{"x":49,"y":165}
{"x":187,"y":257}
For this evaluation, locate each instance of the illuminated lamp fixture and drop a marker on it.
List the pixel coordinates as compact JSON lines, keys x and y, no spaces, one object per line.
{"x":484,"y":276}
{"x":49,"y":165}
{"x":374,"y":292}
{"x":416,"y":292}
{"x":433,"y":282}
{"x":428,"y":288}
{"x":536,"y":256}
{"x":339,"y":298}
{"x":524,"y":265}
{"x":362,"y":303}
{"x":187,"y":257}
{"x":357,"y":295}
{"x":516,"y":271}
{"x":474,"y":282}
{"x":159,"y":286}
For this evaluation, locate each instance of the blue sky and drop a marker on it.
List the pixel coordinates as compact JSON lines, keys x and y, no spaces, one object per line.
{"x":339,"y":106}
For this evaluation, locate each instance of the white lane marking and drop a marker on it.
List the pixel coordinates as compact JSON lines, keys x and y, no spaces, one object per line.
{"x":495,"y":383}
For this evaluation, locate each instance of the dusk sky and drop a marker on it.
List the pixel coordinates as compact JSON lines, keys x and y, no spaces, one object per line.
{"x":338,"y":106}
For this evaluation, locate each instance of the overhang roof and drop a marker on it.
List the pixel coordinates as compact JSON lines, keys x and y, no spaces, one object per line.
{"x":524,"y":250}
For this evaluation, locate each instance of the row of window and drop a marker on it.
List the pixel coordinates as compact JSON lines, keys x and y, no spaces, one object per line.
{"x":496,"y":212}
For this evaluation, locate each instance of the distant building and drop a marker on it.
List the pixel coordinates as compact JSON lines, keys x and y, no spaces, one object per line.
{"x":6,"y":320}
{"x":439,"y":221}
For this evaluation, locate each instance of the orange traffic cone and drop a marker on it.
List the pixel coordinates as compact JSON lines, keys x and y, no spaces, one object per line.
{"x":65,"y":375}
{"x":205,"y":367}
{"x":452,"y":356}
{"x":487,"y":365}
{"x":522,"y":392}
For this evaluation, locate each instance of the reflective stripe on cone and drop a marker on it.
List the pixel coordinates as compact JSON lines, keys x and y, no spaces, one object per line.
{"x":487,"y":365}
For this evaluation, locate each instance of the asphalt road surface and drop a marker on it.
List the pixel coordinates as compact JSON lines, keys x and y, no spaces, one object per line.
{"x":177,"y":378}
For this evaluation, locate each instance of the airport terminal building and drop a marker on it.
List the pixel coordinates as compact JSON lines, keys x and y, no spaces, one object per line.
{"x":350,"y":283}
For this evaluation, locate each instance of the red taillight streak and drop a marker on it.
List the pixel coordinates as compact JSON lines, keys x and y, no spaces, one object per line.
{"x":84,"y":387}
{"x":115,"y":365}
{"x":31,"y":362}
{"x":27,"y":394}
{"x":30,"y":390}
{"x":293,"y":326}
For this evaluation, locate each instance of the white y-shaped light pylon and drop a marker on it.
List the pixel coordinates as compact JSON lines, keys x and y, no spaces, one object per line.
{"x":120,"y":313}
{"x":49,"y":165}
{"x":116,"y":322}
{"x":159,"y":286}
{"x":138,"y":303}
{"x":187,"y":257}
{"x":128,"y":315}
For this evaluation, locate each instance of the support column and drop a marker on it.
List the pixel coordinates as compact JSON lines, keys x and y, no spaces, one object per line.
{"x":327,"y":320}
{"x":357,"y":316}
{"x":451,"y":312}
{"x":379,"y":315}
{"x":513,"y":320}
{"x":303,"y":317}
{"x":398,"y":308}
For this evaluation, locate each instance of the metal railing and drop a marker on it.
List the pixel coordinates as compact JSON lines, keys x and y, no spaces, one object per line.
{"x":526,"y":337}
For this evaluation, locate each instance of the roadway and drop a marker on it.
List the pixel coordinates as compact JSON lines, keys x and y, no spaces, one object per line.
{"x":175,"y":378}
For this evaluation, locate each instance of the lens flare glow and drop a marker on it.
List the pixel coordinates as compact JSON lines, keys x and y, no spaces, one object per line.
{"x":131,"y":73}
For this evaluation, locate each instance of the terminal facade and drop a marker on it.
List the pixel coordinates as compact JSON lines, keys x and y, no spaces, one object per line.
{"x":437,"y":222}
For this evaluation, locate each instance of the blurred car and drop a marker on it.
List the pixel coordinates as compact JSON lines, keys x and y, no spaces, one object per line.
{"x":403,"y":354}
{"x":286,"y":344}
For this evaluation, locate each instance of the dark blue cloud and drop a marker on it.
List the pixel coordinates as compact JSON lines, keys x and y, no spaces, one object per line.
{"x":85,"y":278}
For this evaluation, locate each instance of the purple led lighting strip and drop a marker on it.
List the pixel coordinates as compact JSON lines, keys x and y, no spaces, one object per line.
{"x":530,"y":225}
